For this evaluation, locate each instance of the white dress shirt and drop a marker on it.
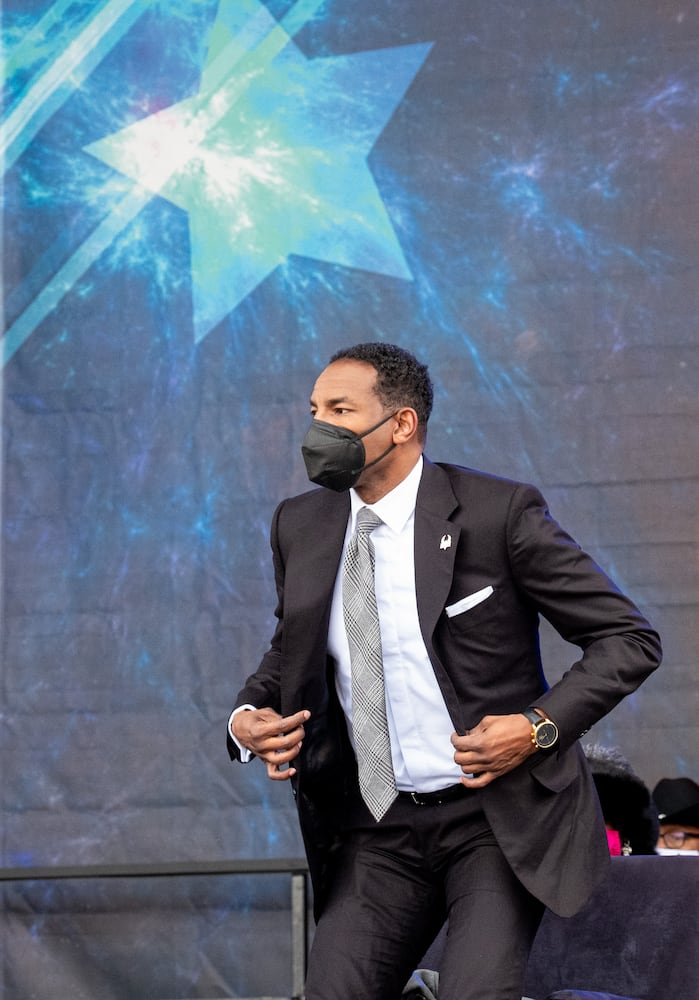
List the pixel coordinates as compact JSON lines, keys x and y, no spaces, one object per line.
{"x":418,"y":721}
{"x":419,"y":724}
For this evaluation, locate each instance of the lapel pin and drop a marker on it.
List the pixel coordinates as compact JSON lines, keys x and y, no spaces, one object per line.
{"x":445,"y":542}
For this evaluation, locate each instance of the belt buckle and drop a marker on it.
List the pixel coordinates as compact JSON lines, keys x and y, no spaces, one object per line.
{"x":416,"y":799}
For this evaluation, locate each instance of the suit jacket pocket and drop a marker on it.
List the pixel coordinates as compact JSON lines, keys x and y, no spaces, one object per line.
{"x":475,"y":615}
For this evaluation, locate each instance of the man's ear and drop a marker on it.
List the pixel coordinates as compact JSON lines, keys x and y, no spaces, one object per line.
{"x":406,"y":425}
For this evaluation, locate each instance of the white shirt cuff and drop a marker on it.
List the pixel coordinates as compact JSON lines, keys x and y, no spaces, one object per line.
{"x":245,"y":754}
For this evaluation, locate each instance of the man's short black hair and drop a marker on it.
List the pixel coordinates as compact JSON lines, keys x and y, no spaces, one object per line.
{"x":401,"y":380}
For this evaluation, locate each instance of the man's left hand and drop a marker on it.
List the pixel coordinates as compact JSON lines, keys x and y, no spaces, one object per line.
{"x":495,"y":746}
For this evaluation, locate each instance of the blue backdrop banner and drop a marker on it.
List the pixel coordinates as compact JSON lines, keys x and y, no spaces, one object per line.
{"x":202,"y":200}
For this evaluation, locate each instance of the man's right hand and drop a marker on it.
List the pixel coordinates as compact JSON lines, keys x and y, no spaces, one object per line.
{"x":273,"y":738}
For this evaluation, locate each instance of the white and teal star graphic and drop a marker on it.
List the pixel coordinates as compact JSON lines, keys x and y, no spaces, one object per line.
{"x":269,"y":158}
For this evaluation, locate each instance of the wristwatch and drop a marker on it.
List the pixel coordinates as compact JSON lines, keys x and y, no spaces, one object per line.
{"x":544,"y":731}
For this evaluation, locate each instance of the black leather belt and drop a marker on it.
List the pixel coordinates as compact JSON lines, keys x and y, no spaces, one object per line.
{"x":437,"y":798}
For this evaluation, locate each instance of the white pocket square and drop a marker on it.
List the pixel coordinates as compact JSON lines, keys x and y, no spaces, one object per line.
{"x":468,"y":602}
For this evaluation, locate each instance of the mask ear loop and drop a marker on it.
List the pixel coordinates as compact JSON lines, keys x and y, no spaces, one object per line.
{"x":376,"y":426}
{"x":356,"y":472}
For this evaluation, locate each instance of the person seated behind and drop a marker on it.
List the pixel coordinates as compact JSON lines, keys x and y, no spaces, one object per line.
{"x":677,"y":801}
{"x":627,"y":806}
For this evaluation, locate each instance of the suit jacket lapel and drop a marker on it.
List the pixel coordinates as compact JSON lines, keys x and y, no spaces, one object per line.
{"x":322,"y":556}
{"x":436,"y":540}
{"x":312,"y":565}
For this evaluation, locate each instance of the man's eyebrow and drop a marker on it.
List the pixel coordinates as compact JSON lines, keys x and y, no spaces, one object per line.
{"x":333,"y":402}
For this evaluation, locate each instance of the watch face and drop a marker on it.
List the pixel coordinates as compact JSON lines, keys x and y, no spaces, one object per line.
{"x":546,"y":735}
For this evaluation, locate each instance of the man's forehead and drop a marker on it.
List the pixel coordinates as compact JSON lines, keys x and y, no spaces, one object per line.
{"x":345,"y":381}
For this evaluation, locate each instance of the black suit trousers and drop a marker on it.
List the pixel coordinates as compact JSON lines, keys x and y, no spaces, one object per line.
{"x":395,"y":883}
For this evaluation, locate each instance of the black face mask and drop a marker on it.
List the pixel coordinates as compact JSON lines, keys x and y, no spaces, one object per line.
{"x":335,"y":456}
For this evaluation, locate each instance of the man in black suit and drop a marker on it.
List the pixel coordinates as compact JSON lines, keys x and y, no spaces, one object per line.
{"x":493,"y":815}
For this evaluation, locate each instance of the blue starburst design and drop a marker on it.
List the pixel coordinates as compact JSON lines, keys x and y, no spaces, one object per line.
{"x":268,"y":160}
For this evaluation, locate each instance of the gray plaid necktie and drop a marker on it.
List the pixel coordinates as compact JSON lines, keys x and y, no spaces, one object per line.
{"x":376,"y":779}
